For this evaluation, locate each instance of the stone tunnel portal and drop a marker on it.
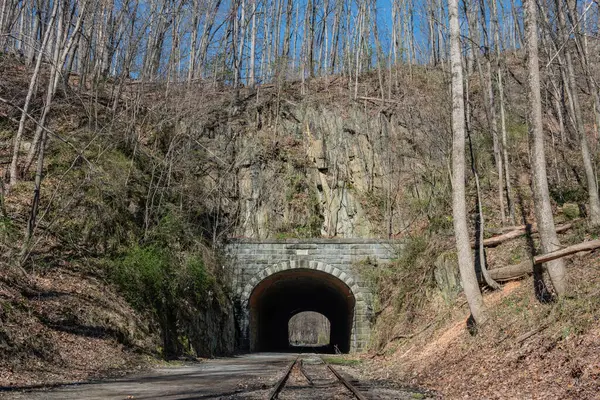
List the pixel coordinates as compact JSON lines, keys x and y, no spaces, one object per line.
{"x":280,"y":296}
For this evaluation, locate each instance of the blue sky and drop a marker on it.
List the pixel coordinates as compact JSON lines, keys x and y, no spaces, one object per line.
{"x":384,"y":23}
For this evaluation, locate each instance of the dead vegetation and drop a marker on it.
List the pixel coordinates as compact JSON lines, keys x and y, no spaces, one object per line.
{"x":157,"y":135}
{"x":526,"y":349}
{"x":70,"y":305}
{"x":66,"y":325}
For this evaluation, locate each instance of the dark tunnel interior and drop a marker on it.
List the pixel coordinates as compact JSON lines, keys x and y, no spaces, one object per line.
{"x":280,"y":296}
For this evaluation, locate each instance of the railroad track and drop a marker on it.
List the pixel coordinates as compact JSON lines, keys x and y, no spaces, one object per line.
{"x":315,"y":381}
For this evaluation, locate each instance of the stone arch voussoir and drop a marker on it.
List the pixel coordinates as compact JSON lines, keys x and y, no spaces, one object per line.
{"x":286,"y":265}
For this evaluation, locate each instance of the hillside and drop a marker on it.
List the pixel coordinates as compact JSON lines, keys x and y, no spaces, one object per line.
{"x":138,"y":193}
{"x":526,"y":349}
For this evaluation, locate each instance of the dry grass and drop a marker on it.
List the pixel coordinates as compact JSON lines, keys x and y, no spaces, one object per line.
{"x":64,"y":326}
{"x":526,"y":350}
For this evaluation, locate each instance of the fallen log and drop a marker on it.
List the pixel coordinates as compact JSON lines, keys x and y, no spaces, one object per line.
{"x":519,"y":231}
{"x":576,"y":248}
{"x":526,"y":267}
{"x":512,"y":271}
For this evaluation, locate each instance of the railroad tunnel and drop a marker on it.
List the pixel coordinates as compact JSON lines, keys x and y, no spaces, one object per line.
{"x":277,"y":298}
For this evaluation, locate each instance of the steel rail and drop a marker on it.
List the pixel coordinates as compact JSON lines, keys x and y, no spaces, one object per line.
{"x":303,"y":371}
{"x":279,"y":385}
{"x":348,"y":385}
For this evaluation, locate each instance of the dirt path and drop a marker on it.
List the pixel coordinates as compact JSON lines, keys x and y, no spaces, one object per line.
{"x":249,"y":375}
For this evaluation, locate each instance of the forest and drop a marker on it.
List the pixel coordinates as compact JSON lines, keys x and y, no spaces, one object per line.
{"x":136,"y":136}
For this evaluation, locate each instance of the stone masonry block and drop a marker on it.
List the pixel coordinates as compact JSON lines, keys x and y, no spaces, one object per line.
{"x":252,"y":260}
{"x":306,"y":246}
{"x":343,"y":276}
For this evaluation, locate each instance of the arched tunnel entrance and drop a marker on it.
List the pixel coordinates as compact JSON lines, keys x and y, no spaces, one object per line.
{"x":280,"y":296}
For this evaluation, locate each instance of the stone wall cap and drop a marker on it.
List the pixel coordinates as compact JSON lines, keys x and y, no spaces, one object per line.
{"x":314,"y":241}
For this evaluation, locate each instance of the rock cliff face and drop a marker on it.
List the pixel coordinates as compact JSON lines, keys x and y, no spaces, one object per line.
{"x":314,"y":166}
{"x":211,"y":332}
{"x":334,"y":163}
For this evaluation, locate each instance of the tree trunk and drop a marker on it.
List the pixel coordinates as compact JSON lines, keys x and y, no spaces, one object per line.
{"x":594,"y":199}
{"x":490,"y":107}
{"x":251,"y":72}
{"x":288,"y":27}
{"x":295,"y":36}
{"x":193,"y":40}
{"x":541,"y":197}
{"x":479,"y":241}
{"x":60,"y":57}
{"x":32,"y":85}
{"x":459,"y":207}
{"x":311,"y":37}
{"x":496,"y":28}
{"x":32,"y":221}
{"x":335,"y":34}
{"x":518,"y":34}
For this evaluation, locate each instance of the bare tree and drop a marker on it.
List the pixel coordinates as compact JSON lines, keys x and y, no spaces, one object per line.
{"x":459,"y":206}
{"x":574,"y":104}
{"x":62,"y":50}
{"x":501,"y":101}
{"x":28,"y":98}
{"x":541,"y":197}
